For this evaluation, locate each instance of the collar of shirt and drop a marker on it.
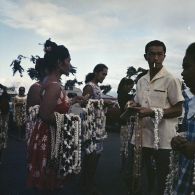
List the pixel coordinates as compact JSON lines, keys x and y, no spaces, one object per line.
{"x":163,"y":72}
{"x":191,"y":106}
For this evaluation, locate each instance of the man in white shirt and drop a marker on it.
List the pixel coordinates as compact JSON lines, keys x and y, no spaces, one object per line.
{"x":161,"y":91}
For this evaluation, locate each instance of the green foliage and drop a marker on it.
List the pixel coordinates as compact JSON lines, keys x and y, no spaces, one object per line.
{"x":135,"y":74}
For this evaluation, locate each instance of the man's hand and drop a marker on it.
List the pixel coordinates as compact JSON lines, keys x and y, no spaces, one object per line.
{"x":144,"y":112}
{"x":130,"y":104}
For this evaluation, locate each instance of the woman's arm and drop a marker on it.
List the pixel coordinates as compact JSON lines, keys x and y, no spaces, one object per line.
{"x":49,"y":102}
{"x":88,"y":90}
{"x":33,"y":97}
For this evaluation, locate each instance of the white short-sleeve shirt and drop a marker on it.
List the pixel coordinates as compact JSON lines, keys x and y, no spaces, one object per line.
{"x":163,"y":91}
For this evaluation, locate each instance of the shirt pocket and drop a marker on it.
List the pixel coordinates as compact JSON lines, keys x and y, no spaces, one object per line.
{"x":157,"y":98}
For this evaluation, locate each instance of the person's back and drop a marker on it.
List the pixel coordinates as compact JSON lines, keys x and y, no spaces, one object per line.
{"x":33,"y":97}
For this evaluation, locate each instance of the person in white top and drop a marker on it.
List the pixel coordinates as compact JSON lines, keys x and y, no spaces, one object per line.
{"x":157,"y":92}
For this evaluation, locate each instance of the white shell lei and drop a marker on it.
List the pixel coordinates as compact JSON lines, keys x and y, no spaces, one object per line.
{"x":172,"y":177}
{"x":173,"y":173}
{"x":66,"y":144}
{"x":32,"y":116}
{"x":93,"y":124}
{"x":157,"y":118}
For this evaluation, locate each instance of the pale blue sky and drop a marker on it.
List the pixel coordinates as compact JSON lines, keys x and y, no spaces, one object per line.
{"x":111,"y":32}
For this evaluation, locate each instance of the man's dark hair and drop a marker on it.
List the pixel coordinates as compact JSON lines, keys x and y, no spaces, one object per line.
{"x":21,"y":88}
{"x":155,"y":43}
{"x":190,"y":51}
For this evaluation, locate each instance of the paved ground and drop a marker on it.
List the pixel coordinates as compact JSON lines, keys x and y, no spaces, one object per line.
{"x":13,"y":170}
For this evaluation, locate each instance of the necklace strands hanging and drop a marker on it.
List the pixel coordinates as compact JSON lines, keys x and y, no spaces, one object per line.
{"x":94,"y":121}
{"x":66,"y":144}
{"x":137,"y":154}
{"x":158,"y":115}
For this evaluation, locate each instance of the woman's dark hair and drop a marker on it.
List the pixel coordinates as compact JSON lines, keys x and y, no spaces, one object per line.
{"x":155,"y":43}
{"x":124,"y":81}
{"x":49,"y":45}
{"x":59,"y":53}
{"x":98,"y":68}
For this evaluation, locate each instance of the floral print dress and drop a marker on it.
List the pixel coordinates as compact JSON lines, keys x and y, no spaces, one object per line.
{"x":41,"y":173}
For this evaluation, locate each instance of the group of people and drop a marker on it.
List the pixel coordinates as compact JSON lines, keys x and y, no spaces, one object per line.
{"x":50,"y":97}
{"x":7,"y":118}
{"x":165,"y":164}
{"x":149,"y":141}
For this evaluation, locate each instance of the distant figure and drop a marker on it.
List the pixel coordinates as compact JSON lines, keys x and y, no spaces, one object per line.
{"x":4,"y":118}
{"x":124,"y":88}
{"x":19,"y":111}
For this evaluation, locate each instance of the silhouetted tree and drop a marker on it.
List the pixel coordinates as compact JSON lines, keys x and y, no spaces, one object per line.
{"x":71,"y":83}
{"x":105,"y":88}
{"x":16,"y":65}
{"x":136,"y":73}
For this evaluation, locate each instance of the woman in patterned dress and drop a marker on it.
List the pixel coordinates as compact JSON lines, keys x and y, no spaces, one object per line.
{"x":19,"y":103}
{"x":41,"y":172}
{"x":90,"y":161}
